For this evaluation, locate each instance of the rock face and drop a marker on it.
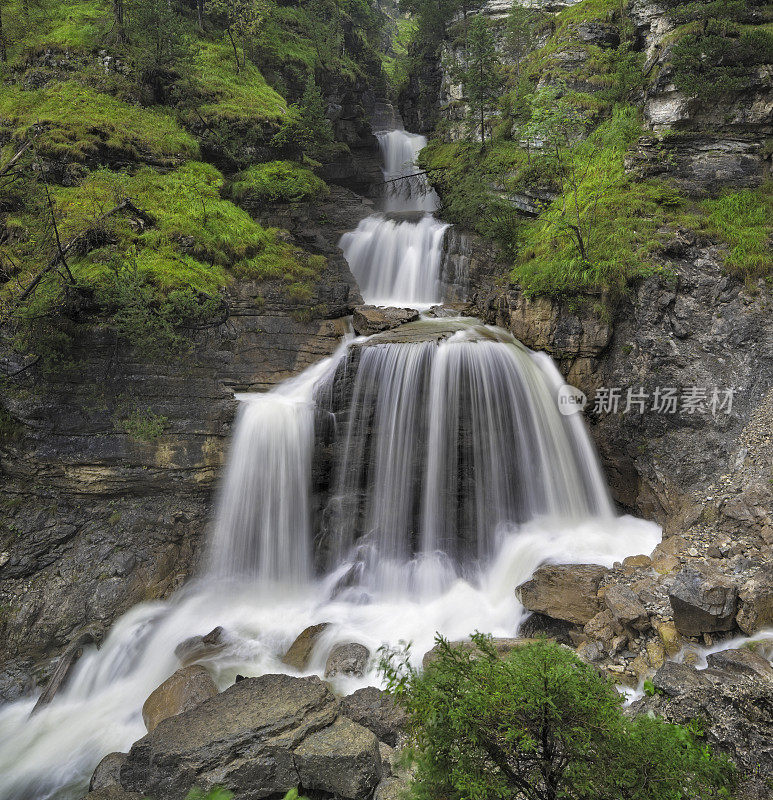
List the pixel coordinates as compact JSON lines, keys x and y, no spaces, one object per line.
{"x":702,"y":602}
{"x":377,"y":711}
{"x":108,"y":772}
{"x":244,"y":738}
{"x":301,"y":649}
{"x":349,"y":659}
{"x":736,"y":706}
{"x":187,"y":688}
{"x":368,"y":320}
{"x":756,"y":601}
{"x":564,"y":591}
{"x":343,"y":759}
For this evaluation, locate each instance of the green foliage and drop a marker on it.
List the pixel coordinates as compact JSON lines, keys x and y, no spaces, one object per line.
{"x":144,"y":426}
{"x":75,"y":122}
{"x":540,"y":724}
{"x":480,"y":76}
{"x":294,"y":795}
{"x":306,"y":128}
{"x":218,"y":793}
{"x":745,"y":221}
{"x":278,"y":182}
{"x":243,"y":21}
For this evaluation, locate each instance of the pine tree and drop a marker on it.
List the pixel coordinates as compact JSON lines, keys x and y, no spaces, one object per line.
{"x":480,"y":75}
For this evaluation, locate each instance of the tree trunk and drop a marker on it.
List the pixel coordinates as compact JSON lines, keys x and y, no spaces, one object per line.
{"x":200,"y":12}
{"x":118,"y":17}
{"x":236,"y":52}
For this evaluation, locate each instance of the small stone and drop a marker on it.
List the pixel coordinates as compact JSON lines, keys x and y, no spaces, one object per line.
{"x":656,"y":653}
{"x":349,"y":659}
{"x":672,"y":641}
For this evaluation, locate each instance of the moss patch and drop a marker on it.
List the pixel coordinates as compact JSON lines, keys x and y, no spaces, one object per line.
{"x":278,"y":182}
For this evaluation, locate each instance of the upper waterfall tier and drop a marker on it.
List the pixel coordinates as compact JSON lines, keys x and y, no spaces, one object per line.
{"x":405,"y":187}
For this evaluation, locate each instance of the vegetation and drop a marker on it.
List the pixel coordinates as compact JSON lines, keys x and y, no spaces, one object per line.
{"x":540,"y":724}
{"x":145,"y":426}
{"x":278,"y":182}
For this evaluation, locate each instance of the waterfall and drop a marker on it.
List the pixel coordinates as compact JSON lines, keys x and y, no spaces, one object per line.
{"x":397,"y":255}
{"x":447,"y":444}
{"x":425,"y":472}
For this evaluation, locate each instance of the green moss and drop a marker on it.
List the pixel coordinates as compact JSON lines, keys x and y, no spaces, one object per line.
{"x":144,"y":426}
{"x":79,"y":123}
{"x":278,"y":182}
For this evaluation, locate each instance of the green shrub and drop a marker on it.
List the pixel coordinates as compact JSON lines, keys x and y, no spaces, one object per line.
{"x":540,"y":724}
{"x":278,"y":182}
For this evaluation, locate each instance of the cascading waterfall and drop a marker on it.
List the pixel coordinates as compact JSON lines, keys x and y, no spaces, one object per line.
{"x":453,"y":477}
{"x":396,"y":256}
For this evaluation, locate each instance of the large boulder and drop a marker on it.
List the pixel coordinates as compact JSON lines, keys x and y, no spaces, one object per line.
{"x":108,"y":772}
{"x":377,"y":711}
{"x":742,"y":661}
{"x":625,"y":607}
{"x":349,"y":659}
{"x":564,"y":591}
{"x":756,"y":601}
{"x":243,"y":738}
{"x":702,"y":601}
{"x":343,"y":759}
{"x":368,"y":320}
{"x":184,"y":690}
{"x":300,"y":650}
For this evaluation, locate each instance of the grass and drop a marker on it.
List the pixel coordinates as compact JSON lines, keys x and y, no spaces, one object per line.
{"x":80,"y":124}
{"x":278,"y":182}
{"x":745,"y":221}
{"x":197,"y":239}
{"x":227,"y":96}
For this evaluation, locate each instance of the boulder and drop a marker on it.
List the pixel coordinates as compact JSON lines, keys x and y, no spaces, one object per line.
{"x":702,"y":602}
{"x":735,"y":707}
{"x":368,"y":320}
{"x":108,"y":772}
{"x":301,"y":649}
{"x":343,"y":759}
{"x":564,"y":591}
{"x":742,"y":661}
{"x":195,"y":648}
{"x":626,"y":607}
{"x":756,"y":601}
{"x":541,"y":625}
{"x":183,"y":691}
{"x":391,"y":789}
{"x":347,"y":658}
{"x":243,"y":738}
{"x":378,"y":712}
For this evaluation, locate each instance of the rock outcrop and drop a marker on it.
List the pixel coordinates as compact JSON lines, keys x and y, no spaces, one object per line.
{"x":567,"y":592}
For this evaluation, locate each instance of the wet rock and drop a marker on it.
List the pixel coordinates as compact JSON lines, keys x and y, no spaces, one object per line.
{"x":300,"y":650}
{"x":368,"y":320}
{"x":64,"y":669}
{"x":674,"y":679}
{"x":626,"y":607}
{"x":113,"y":793}
{"x":108,"y":772}
{"x":184,"y":690}
{"x":243,"y":738}
{"x":756,"y":601}
{"x":196,"y":648}
{"x":376,"y":710}
{"x":343,"y":759}
{"x":541,"y":625}
{"x":702,"y":602}
{"x":564,"y":591}
{"x":349,"y":659}
{"x":742,"y":661}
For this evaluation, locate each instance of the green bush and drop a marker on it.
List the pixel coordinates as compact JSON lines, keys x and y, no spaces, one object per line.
{"x":278,"y":182}
{"x":540,"y":724}
{"x":145,"y":426}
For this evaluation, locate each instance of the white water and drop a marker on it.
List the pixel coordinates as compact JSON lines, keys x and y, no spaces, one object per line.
{"x":397,"y":256}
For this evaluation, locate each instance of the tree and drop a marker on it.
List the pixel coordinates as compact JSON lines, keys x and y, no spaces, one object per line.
{"x":159,"y":44}
{"x":242,"y":20}
{"x":480,"y":75}
{"x":307,"y":128}
{"x":539,"y":724}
